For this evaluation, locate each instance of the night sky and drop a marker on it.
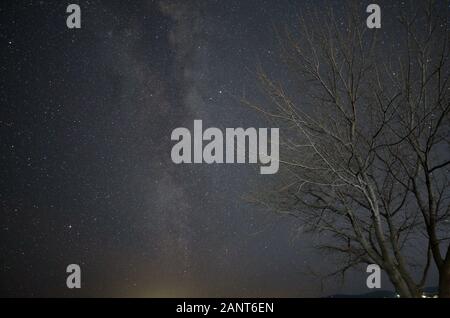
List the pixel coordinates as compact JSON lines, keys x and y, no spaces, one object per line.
{"x":86,"y":176}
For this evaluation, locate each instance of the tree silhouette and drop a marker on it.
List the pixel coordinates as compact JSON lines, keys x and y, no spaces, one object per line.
{"x":364,"y":140}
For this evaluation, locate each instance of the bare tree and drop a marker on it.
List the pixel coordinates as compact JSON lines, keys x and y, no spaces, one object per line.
{"x":365,"y":140}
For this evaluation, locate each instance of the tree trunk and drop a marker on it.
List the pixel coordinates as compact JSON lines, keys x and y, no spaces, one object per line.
{"x":401,"y":287}
{"x":444,"y":277}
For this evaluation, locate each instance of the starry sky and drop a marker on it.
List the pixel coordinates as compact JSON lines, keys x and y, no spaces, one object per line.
{"x":86,"y":175}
